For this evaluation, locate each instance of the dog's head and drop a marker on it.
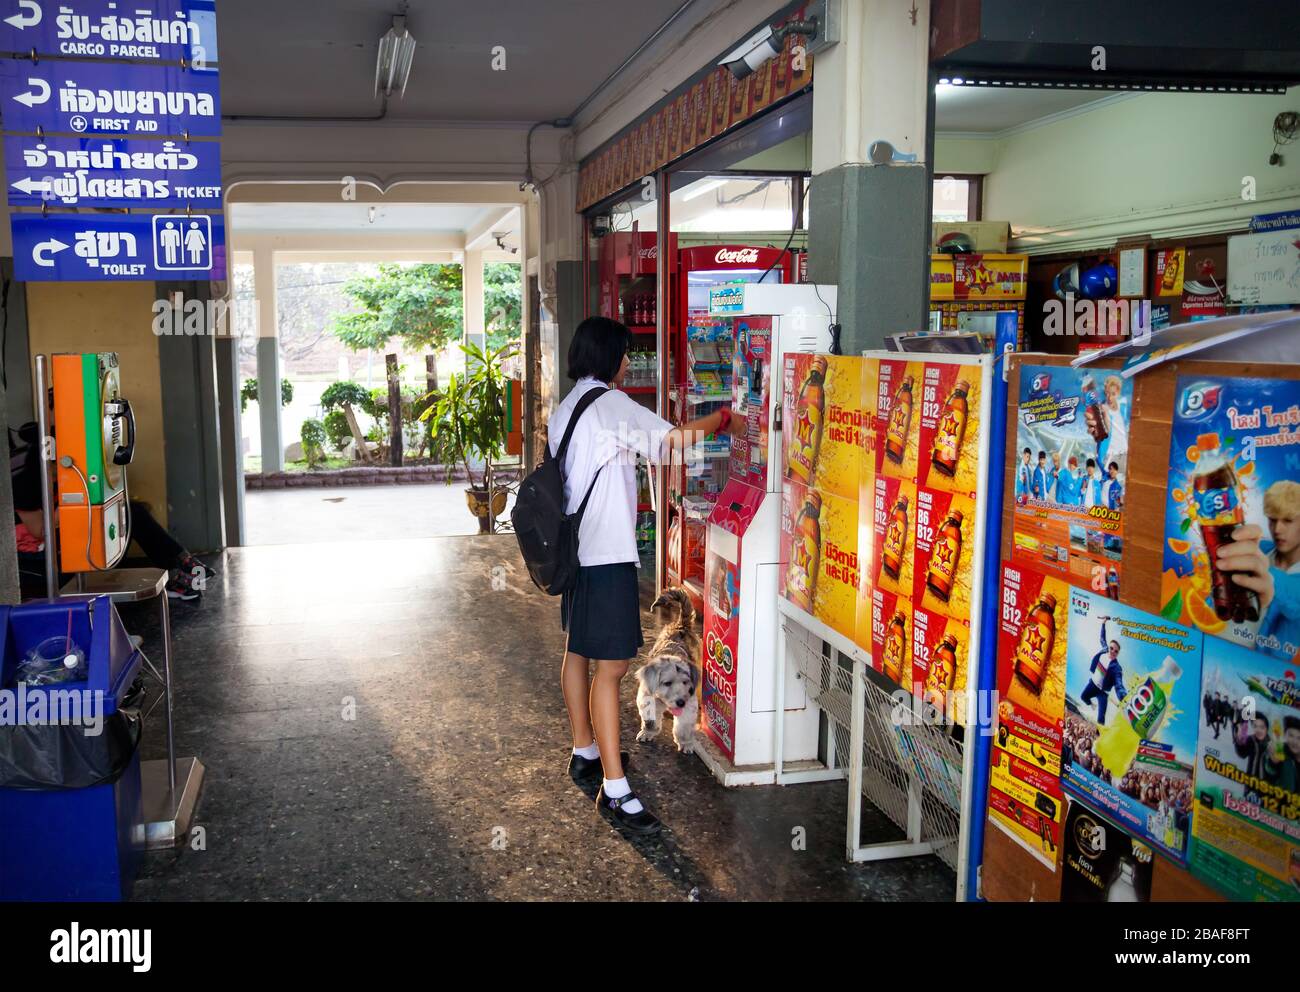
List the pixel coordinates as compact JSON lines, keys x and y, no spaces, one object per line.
{"x":671,"y":680}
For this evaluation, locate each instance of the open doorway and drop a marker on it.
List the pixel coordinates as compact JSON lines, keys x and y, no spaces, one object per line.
{"x":358,"y":415}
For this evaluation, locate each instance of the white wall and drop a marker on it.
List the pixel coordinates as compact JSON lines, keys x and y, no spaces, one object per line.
{"x":1169,"y":165}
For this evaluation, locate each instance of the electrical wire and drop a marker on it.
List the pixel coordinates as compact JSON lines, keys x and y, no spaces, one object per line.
{"x":67,"y":461}
{"x":794,"y":229}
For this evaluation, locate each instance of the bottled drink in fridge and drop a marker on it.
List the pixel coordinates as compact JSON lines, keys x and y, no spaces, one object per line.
{"x":1219,"y":513}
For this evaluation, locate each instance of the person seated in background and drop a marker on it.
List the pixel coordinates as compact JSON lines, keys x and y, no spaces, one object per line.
{"x":186,"y":574}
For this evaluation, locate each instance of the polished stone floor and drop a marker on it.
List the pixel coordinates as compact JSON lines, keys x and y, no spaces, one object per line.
{"x":382,"y":720}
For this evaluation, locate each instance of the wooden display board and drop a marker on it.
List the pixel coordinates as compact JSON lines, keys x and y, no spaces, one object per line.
{"x":1010,"y":873}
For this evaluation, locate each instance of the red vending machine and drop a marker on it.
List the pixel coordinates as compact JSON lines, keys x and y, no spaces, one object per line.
{"x":704,"y":347}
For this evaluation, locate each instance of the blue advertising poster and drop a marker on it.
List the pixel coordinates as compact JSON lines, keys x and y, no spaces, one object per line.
{"x":1132,"y":684}
{"x":112,"y":172}
{"x":88,"y":248}
{"x":140,"y":29}
{"x":1071,"y":473}
{"x":1232,"y":512}
{"x":124,"y":99}
{"x":1246,"y":824}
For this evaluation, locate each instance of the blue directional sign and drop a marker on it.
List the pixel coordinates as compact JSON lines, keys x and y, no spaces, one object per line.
{"x":112,"y":172}
{"x":123,"y":29}
{"x":88,"y":248}
{"x":124,"y":99}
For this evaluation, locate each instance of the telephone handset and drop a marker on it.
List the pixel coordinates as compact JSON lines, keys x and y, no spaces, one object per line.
{"x":119,"y":413}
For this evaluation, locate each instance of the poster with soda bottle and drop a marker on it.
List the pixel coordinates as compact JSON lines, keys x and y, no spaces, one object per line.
{"x":824,"y":418}
{"x":898,"y":417}
{"x":939,"y":652}
{"x":1232,"y":514}
{"x":891,"y":636}
{"x":1101,"y":863}
{"x":1132,"y":694}
{"x":944,"y":541}
{"x":1246,"y":818}
{"x":949,"y":428}
{"x":893,"y":510}
{"x":1071,"y":473}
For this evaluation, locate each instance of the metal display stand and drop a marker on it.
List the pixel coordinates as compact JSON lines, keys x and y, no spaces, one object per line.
{"x":169,"y":787}
{"x":916,"y":773}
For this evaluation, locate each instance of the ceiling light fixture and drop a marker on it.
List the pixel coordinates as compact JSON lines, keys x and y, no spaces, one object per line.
{"x":396,"y":52}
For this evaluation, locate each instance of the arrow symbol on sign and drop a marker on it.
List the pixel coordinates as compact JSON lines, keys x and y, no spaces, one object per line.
{"x":30,"y":186}
{"x":41,"y":253}
{"x":31,"y":98}
{"x":19,"y":21}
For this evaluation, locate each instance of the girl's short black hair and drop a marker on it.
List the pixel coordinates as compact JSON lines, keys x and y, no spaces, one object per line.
{"x":597,"y":349}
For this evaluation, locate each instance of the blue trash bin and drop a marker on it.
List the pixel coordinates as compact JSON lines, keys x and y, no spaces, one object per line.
{"x":73,"y":826}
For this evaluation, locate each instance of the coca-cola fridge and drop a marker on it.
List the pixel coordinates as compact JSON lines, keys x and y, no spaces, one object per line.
{"x":702,"y":344}
{"x":738,"y":703}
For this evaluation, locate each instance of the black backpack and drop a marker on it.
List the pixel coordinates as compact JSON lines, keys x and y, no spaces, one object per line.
{"x":548,"y":537}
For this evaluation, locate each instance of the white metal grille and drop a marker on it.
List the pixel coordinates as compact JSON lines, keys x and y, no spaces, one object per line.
{"x":912,"y":770}
{"x":827,"y":683}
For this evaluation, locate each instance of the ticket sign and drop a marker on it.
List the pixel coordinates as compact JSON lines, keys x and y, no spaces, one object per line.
{"x":81,"y":248}
{"x":112,"y":172}
{"x":127,"y":99}
{"x":140,"y":29}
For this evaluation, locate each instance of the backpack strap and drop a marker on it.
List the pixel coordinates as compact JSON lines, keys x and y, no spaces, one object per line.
{"x":587,"y":398}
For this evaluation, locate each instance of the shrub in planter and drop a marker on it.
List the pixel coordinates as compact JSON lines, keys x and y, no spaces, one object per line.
{"x":337,"y":430}
{"x":313,"y":438}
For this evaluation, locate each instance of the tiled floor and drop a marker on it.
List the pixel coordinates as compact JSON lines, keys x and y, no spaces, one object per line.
{"x":383,"y":720}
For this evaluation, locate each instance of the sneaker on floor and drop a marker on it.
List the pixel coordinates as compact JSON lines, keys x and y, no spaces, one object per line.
{"x":181,"y":586}
{"x":189,"y":563}
{"x":643,"y":823}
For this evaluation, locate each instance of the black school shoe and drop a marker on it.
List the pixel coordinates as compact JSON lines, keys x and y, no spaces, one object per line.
{"x":589,"y":769}
{"x":643,"y":824}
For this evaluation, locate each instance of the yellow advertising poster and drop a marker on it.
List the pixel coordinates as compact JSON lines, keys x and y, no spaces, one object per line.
{"x":819,"y":555}
{"x":940,"y":647}
{"x":826,"y":422}
{"x":867,"y":467}
{"x":944,"y":553}
{"x":1169,"y":272}
{"x":898,"y":417}
{"x":978,"y":277}
{"x":950,"y":427}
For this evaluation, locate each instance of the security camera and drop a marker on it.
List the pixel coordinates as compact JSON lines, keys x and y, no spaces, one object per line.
{"x":752,"y":53}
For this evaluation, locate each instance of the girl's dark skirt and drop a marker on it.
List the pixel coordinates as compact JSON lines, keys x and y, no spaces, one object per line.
{"x":602,"y":612}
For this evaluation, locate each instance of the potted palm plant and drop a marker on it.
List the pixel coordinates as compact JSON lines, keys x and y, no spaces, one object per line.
{"x":467,"y":420}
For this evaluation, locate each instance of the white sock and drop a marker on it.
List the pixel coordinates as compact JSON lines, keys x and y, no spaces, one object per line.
{"x":590,"y":752}
{"x":617,"y":788}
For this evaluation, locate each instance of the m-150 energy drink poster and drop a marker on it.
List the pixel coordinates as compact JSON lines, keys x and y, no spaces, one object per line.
{"x":898,"y":418}
{"x":825,"y":421}
{"x":1232,"y":514}
{"x":1071,"y":470}
{"x":1132,"y":685}
{"x":949,"y":428}
{"x":1246,"y":819}
{"x":1032,"y":639}
{"x":940,"y":646}
{"x":819,"y":555}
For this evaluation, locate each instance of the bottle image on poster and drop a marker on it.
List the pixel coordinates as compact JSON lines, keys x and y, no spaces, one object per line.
{"x":1246,"y":819}
{"x":949,"y":428}
{"x":898,"y":418}
{"x":1232,"y":513}
{"x":1129,"y":734}
{"x":1102,"y":863}
{"x":1071,"y":474}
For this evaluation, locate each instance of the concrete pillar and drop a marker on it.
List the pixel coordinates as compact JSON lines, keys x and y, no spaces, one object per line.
{"x":869,"y":225}
{"x":472,"y":296}
{"x":268,"y":361}
{"x":561,"y":306}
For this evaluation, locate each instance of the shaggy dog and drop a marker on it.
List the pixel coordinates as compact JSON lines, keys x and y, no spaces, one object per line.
{"x":668,"y":679}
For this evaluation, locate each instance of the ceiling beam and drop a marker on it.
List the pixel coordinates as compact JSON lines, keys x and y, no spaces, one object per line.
{"x":479,"y":236}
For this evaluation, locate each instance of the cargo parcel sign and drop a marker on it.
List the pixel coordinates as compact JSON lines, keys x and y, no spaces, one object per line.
{"x":112,"y":172}
{"x":109,"y":98}
{"x":80,"y":247}
{"x":128,"y":29}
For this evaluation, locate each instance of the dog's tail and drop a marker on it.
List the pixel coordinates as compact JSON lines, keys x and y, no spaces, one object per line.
{"x":676,"y":594}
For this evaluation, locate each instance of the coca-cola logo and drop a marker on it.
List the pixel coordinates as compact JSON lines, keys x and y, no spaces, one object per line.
{"x":733,"y":255}
{"x":651,"y":252}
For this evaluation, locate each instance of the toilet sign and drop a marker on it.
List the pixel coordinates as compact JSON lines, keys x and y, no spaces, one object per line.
{"x":121,"y":29}
{"x":80,"y":247}
{"x":123,"y":99}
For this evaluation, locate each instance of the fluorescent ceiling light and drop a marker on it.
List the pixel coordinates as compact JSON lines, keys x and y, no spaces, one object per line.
{"x":393,"y":66}
{"x":705,"y":187}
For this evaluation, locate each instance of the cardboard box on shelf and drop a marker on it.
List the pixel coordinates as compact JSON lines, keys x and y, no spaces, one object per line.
{"x":987,"y":235}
